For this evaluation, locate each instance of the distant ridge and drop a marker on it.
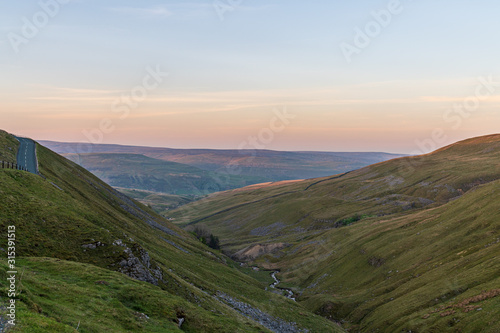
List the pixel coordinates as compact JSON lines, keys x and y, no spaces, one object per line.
{"x":268,"y":165}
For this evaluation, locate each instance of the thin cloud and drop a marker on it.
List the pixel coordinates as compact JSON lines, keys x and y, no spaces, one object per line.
{"x":459,"y":99}
{"x":151,"y":12}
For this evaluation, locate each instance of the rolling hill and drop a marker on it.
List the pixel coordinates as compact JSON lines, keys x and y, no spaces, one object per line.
{"x":411,"y":244}
{"x":266,"y":165}
{"x":91,"y":259}
{"x":135,"y":171}
{"x":187,"y":175}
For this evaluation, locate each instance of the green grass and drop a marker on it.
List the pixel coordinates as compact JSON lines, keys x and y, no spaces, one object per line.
{"x":59,"y":216}
{"x":426,"y":260}
{"x":100,"y":300}
{"x":8,"y":147}
{"x":429,"y":237}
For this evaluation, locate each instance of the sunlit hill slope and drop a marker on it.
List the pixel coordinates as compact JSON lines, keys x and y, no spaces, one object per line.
{"x":412,"y":244}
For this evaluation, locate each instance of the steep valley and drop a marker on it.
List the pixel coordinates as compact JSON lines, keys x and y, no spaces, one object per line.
{"x":411,"y":244}
{"x":90,"y":259}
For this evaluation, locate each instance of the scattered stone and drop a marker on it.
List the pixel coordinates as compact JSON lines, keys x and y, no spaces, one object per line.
{"x":276,"y":325}
{"x":138,"y":266}
{"x":119,"y":242}
{"x":376,"y":262}
{"x":141,"y":316}
{"x":93,"y":246}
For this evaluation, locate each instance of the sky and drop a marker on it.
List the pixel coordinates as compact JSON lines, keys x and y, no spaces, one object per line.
{"x":397,"y":76}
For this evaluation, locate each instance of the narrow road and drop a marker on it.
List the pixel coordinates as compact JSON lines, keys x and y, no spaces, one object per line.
{"x":26,"y":155}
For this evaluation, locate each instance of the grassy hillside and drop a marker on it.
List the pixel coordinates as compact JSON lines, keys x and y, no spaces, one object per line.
{"x":406,"y":245}
{"x":432,"y":271}
{"x":266,"y":165}
{"x":160,"y":202}
{"x":299,"y":209}
{"x":59,"y":296}
{"x":134,"y":171}
{"x":8,"y":147}
{"x":100,"y":245}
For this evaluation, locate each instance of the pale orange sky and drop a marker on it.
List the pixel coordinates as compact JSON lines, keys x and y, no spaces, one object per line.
{"x":385,"y":116}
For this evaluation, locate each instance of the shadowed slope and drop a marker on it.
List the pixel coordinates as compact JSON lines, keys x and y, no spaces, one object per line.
{"x":92,"y":233}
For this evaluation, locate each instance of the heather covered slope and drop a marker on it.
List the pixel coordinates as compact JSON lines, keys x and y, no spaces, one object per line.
{"x":295,"y":210}
{"x":411,"y":244}
{"x":139,"y":172}
{"x":265,"y":165}
{"x":95,"y":258}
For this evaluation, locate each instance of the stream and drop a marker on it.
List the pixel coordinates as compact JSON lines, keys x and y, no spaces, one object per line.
{"x":275,"y":286}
